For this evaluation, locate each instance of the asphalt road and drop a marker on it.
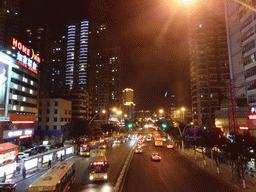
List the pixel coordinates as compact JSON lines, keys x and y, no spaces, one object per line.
{"x":116,"y":157}
{"x":173,"y":173}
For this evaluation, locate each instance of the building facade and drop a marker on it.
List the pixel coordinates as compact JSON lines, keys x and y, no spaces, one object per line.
{"x":19,"y":92}
{"x":128,"y":104}
{"x":209,"y":65}
{"x":77,"y":55}
{"x":52,"y":115}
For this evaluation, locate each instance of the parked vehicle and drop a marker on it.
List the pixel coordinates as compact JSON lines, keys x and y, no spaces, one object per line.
{"x":23,"y":155}
{"x":41,"y":149}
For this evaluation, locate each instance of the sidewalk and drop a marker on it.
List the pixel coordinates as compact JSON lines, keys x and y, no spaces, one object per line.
{"x":224,"y":170}
{"x":18,"y":177}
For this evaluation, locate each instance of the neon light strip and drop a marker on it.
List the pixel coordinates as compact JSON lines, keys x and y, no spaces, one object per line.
{"x":243,"y":127}
{"x":22,"y":122}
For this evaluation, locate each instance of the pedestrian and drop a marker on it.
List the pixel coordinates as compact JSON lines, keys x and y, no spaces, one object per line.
{"x":49,"y":163}
{"x":24,"y":172}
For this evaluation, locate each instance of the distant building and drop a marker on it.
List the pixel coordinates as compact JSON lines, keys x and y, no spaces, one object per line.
{"x":9,"y":23}
{"x":128,"y":105}
{"x":209,"y":66}
{"x":77,"y":55}
{"x":105,"y":68}
{"x":52,"y":115}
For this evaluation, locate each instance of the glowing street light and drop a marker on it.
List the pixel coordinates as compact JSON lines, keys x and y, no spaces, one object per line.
{"x":161,"y":111}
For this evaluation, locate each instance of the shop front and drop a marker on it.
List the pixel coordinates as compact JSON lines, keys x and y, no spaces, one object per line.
{"x":8,"y":154}
{"x":21,"y":137}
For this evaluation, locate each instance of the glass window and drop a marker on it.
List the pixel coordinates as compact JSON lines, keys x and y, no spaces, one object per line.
{"x":55,"y":119}
{"x":56,"y":103}
{"x":40,"y":111}
{"x":47,"y":119}
{"x":39,"y":119}
{"x":47,"y":127}
{"x":48,"y":111}
{"x":55,"y":127}
{"x":40,"y":103}
{"x":61,"y":119}
{"x":55,"y":111}
{"x":48,"y":103}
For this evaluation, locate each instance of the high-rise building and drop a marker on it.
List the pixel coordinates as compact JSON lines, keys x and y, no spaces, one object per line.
{"x":242,"y":50}
{"x":209,"y":66}
{"x":9,"y":22}
{"x":105,"y":69}
{"x":77,"y":55}
{"x":128,"y":104}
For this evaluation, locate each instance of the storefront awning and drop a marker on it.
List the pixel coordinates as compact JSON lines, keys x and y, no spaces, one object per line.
{"x":6,"y":147}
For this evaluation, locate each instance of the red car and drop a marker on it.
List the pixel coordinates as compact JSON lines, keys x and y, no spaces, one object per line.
{"x":169,"y":146}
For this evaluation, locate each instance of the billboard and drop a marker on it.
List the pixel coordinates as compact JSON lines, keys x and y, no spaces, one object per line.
{"x":5,"y":76}
{"x":193,"y":134}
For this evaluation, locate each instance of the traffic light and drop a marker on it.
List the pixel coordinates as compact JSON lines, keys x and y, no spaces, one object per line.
{"x":129,"y":125}
{"x":164,"y":126}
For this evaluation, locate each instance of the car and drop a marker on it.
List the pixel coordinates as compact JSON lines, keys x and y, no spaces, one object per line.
{"x":41,"y":149}
{"x":164,"y":138}
{"x":201,"y":149}
{"x":156,"y":157}
{"x":169,"y":146}
{"x":23,"y":155}
{"x":7,"y":187}
{"x":138,"y":150}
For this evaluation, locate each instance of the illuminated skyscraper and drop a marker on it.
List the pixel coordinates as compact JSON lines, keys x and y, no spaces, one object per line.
{"x":209,"y":66}
{"x":128,"y":104}
{"x":77,"y":55}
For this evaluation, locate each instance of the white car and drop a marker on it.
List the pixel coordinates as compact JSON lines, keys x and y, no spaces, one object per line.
{"x":164,"y":138}
{"x":23,"y":155}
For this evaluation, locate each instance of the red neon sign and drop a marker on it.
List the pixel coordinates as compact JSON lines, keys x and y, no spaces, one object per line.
{"x":27,"y":51}
{"x":22,"y":122}
{"x":252,"y":117}
{"x":244,"y":128}
{"x":98,"y":163}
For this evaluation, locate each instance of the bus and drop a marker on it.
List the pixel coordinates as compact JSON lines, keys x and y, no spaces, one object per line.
{"x":98,"y":167}
{"x":84,"y":150}
{"x":58,"y":179}
{"x":159,"y":141}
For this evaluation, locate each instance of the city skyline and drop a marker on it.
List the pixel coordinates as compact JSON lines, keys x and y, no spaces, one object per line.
{"x":155,"y":56}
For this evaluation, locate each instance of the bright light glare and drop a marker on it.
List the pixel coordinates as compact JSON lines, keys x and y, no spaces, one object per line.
{"x":185,"y":0}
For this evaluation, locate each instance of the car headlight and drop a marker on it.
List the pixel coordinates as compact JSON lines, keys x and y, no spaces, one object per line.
{"x":91,"y":177}
{"x":105,"y":176}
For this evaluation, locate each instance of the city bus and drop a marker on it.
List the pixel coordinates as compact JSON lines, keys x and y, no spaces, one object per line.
{"x":159,"y":141}
{"x":58,"y":178}
{"x":84,"y":150}
{"x":98,"y":167}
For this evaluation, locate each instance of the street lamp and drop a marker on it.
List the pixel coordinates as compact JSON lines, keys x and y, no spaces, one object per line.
{"x":161,"y":111}
{"x":103,"y":112}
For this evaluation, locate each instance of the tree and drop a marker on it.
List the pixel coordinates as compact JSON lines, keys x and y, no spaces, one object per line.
{"x":239,"y":152}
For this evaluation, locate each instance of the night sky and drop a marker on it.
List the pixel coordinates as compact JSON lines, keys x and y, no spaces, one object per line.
{"x":152,"y":35}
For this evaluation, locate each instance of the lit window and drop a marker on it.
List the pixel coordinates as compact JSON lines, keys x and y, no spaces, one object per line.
{"x":7,"y":11}
{"x":25,"y":79}
{"x":200,"y":25}
{"x":32,"y":82}
{"x":14,"y":107}
{"x":31,"y":91}
{"x":23,"y":88}
{"x":14,"y":96}
{"x":22,"y":108}
{"x":24,"y":99}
